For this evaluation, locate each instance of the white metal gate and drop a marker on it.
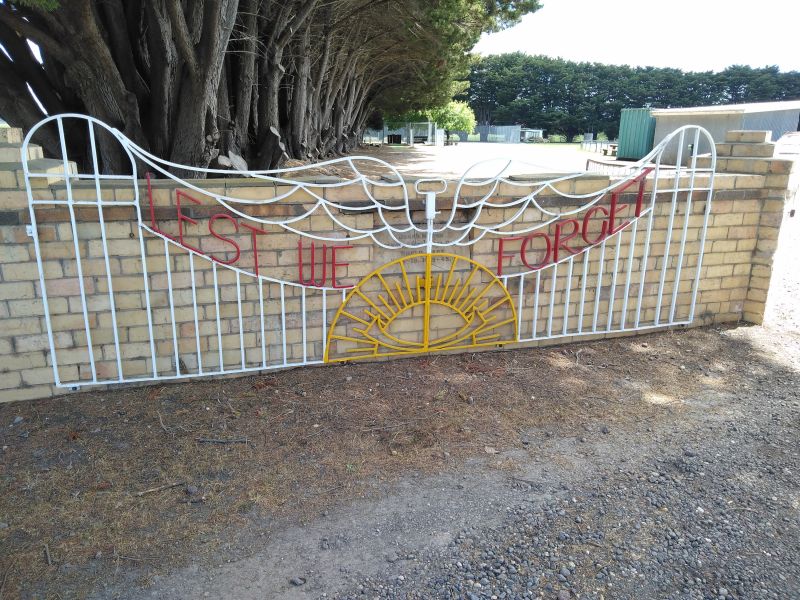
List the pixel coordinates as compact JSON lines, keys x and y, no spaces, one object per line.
{"x":155,"y":307}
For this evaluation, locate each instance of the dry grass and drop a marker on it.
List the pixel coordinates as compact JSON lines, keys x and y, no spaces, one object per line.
{"x":72,"y":471}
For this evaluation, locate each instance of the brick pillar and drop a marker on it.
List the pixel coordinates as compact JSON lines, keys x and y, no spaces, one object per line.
{"x":752,"y":153}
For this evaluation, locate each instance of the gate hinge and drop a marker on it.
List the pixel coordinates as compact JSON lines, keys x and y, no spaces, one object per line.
{"x":29,"y":230}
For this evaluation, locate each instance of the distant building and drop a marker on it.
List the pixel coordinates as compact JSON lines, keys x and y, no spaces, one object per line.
{"x":778,"y":117}
{"x":527,"y":135}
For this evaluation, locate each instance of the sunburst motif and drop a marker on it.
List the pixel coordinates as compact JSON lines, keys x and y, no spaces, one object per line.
{"x":422,"y":303}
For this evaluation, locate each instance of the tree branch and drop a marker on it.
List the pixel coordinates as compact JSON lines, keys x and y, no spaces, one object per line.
{"x":25,"y":28}
{"x":181,"y":32}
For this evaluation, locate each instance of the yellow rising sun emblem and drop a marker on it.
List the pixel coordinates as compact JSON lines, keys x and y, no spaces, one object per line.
{"x":422,"y":303}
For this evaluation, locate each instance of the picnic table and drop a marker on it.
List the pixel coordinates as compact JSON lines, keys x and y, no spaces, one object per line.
{"x":610,"y":150}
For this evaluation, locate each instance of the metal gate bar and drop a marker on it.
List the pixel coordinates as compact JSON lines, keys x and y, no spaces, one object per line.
{"x":605,"y":294}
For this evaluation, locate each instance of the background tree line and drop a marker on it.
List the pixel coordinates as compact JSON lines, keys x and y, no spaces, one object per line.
{"x":570,"y":98}
{"x":215,"y":82}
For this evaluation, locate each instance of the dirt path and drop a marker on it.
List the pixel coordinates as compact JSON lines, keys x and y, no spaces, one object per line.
{"x":482,"y":159}
{"x":357,"y":476}
{"x":626,"y":487}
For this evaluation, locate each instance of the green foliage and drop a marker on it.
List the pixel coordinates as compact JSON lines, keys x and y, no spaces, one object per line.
{"x":454,"y":116}
{"x":505,"y":13}
{"x":571,"y":98}
{"x":442,"y":34}
{"x":401,"y":120}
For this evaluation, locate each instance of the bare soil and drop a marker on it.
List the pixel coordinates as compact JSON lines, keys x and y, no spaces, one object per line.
{"x":124,"y":486}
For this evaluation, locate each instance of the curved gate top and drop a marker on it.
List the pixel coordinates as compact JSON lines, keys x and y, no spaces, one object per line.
{"x":149,"y":276}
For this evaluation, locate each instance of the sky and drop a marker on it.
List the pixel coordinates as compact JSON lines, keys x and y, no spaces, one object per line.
{"x":692,"y":35}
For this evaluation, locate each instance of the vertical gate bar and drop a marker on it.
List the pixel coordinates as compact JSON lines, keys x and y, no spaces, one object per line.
{"x":646,"y":256}
{"x":43,"y":289}
{"x":148,"y":308}
{"x":219,"y":324}
{"x":172,"y":308}
{"x":241,"y":323}
{"x":553,"y":283}
{"x":324,"y":321}
{"x":599,"y":285}
{"x":78,"y":265}
{"x":520,"y":299}
{"x":685,"y":232}
{"x":303,"y":320}
{"x":706,"y":214}
{"x":675,"y":187}
{"x":583,"y":288}
{"x":566,"y":297}
{"x":631,"y":249}
{"x":283,"y":322}
{"x":536,"y":305}
{"x":261,"y":316}
{"x":613,"y":293}
{"x":194,"y":307}
{"x":145,"y":278}
{"x":101,"y":218}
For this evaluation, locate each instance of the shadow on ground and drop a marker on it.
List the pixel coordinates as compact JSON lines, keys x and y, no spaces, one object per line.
{"x":122,"y":487}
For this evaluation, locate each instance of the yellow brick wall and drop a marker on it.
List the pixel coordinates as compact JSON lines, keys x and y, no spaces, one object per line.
{"x":747,"y":210}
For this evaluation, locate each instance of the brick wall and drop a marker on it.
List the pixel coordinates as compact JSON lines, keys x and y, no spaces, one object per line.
{"x":751,"y":189}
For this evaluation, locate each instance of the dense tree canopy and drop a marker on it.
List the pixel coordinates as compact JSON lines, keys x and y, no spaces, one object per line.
{"x":569,"y":98}
{"x":211,"y":81}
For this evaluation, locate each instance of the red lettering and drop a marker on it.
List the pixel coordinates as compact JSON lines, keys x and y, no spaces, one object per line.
{"x":523,"y":250}
{"x":561,"y":242}
{"x":254,"y":231}
{"x":640,"y":179}
{"x":603,"y":225}
{"x":501,"y":256}
{"x":334,"y":264}
{"x":312,"y":281}
{"x":640,"y":195}
{"x":612,"y":215}
{"x":182,"y":217}
{"x":223,"y":238}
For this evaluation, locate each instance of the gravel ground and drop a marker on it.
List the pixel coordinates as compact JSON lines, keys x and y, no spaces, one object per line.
{"x":710,"y":512}
{"x":718,"y":521}
{"x":704,"y":512}
{"x":700,"y":499}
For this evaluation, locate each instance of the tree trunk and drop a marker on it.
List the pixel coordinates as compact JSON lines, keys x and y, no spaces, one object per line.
{"x":245,"y":81}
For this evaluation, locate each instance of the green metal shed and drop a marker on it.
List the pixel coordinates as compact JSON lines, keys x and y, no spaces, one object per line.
{"x":637,"y":126}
